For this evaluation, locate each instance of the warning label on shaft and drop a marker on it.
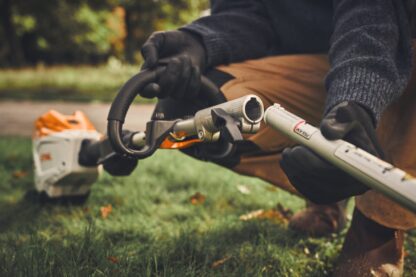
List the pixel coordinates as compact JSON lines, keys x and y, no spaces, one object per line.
{"x":305,"y":130}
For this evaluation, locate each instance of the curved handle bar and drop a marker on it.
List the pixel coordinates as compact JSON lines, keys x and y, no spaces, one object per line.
{"x":125,"y":97}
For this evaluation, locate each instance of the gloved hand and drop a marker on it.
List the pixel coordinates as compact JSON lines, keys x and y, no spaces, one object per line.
{"x":184,"y":57}
{"x":314,"y":177}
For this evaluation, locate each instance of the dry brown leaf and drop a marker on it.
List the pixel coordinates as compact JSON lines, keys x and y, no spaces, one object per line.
{"x":272,"y":215}
{"x":251,"y":215}
{"x":113,"y":259}
{"x":106,"y":211}
{"x":18,"y":174}
{"x":219,"y":263}
{"x":197,"y":199}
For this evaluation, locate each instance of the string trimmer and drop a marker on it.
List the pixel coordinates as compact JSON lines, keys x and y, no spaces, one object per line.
{"x":68,"y":150}
{"x":67,"y":154}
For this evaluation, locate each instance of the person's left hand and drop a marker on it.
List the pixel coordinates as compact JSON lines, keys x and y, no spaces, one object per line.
{"x":314,"y":177}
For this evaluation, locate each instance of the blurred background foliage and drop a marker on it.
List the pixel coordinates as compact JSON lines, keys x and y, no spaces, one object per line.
{"x":85,"y":31}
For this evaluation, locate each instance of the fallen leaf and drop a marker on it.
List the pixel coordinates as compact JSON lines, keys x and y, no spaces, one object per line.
{"x":106,"y":211}
{"x":219,"y":263}
{"x":273,"y":215}
{"x":113,"y":259}
{"x":251,"y":215}
{"x":18,"y":174}
{"x":197,"y":199}
{"x":243,"y":189}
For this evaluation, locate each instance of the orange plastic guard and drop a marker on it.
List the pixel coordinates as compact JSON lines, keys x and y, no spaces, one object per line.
{"x":53,"y":121}
{"x":178,"y":141}
{"x":168,"y":143}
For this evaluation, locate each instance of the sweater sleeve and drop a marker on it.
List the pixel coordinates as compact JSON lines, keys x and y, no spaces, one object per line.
{"x":370,"y":53}
{"x":236,"y":30}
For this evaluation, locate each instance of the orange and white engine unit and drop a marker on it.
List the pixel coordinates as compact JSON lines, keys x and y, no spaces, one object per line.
{"x":56,"y":145}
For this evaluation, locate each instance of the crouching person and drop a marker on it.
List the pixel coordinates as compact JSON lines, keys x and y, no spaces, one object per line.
{"x":344,"y":65}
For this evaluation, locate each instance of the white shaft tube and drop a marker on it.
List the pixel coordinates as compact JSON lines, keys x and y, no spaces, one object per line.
{"x":370,"y":170}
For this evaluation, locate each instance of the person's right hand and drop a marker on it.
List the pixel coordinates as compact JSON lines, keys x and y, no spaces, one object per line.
{"x":184,"y":57}
{"x":317,"y":179}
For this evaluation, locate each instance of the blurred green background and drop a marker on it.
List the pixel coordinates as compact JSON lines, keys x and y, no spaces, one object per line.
{"x":80,"y":50}
{"x":85,"y":31}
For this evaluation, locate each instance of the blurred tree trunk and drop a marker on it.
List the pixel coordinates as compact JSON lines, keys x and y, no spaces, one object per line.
{"x":12,"y":41}
{"x":130,"y":41}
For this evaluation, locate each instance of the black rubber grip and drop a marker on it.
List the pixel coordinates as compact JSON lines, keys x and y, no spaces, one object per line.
{"x":210,"y":92}
{"x":129,"y":91}
{"x":125,"y":97}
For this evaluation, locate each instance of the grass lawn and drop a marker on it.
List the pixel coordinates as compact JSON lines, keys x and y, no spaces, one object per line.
{"x":67,"y":83}
{"x":153,"y":228}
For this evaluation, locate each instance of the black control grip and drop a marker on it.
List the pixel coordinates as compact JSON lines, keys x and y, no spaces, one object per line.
{"x":119,"y":108}
{"x":129,"y":91}
{"x":210,"y":92}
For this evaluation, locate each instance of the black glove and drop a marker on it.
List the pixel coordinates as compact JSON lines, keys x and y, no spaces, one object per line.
{"x":184,"y":57}
{"x":314,"y":177}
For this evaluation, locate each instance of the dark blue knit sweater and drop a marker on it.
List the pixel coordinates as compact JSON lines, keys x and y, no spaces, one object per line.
{"x":368,"y":41}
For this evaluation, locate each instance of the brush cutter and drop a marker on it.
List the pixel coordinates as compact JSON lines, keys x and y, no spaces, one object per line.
{"x":67,"y":150}
{"x":370,"y":170}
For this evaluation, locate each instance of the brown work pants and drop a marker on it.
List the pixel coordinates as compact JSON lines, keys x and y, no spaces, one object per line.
{"x":297,"y":83}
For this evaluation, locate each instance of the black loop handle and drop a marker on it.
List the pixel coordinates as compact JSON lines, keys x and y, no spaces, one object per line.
{"x":125,"y":97}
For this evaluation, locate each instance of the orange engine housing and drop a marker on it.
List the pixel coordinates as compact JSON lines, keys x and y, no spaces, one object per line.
{"x":53,"y":121}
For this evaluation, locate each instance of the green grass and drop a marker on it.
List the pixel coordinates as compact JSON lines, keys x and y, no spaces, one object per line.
{"x":67,"y":83}
{"x":153,"y":229}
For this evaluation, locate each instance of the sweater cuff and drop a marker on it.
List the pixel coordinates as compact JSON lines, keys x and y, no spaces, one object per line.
{"x":362,"y":86}
{"x":216,"y":49}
